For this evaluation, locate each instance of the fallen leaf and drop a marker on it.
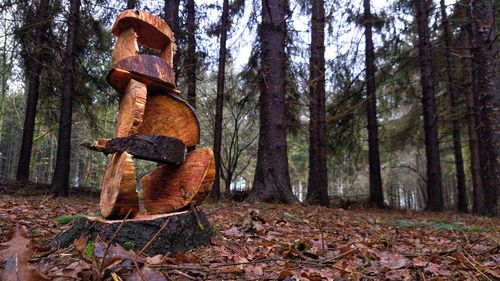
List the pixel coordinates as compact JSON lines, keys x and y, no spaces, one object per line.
{"x":148,"y":273}
{"x":393,"y":261}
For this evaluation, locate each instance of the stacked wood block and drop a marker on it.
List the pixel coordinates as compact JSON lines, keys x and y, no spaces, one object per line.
{"x":154,"y":123}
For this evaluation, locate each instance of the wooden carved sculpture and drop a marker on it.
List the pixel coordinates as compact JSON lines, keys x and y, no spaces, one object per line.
{"x":154,"y":124}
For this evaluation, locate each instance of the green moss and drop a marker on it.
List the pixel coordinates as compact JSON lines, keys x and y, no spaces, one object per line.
{"x":128,"y":245}
{"x":89,"y":250}
{"x":65,"y":219}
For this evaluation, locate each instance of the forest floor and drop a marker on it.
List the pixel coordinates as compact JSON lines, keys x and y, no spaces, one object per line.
{"x":262,"y":242}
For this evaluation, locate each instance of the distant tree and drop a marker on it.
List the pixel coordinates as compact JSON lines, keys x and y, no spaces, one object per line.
{"x":484,"y":51}
{"x":60,"y":182}
{"x":219,"y":103}
{"x":171,"y":13}
{"x":191,"y":57}
{"x":454,"y":98}
{"x":34,"y":59}
{"x":272,"y":181}
{"x":376,"y":192}
{"x":434,"y":187}
{"x":317,"y":189}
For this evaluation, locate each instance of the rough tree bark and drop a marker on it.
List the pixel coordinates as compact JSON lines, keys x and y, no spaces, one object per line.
{"x":171,"y":11}
{"x":454,"y":96}
{"x":376,"y":192}
{"x":191,"y":59}
{"x":35,"y":63}
{"x":317,"y":189}
{"x":219,"y":101}
{"x":434,"y":187}
{"x":271,"y":180}
{"x":60,"y":182}
{"x":484,"y":51}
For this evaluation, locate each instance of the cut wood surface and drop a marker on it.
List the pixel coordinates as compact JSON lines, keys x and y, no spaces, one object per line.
{"x":153,"y":32}
{"x":131,"y":109}
{"x":168,"y":115}
{"x":206,"y":184}
{"x":160,"y":149}
{"x":125,"y":46}
{"x":118,"y":190}
{"x":170,"y":188}
{"x":148,"y":69}
{"x":181,"y":234}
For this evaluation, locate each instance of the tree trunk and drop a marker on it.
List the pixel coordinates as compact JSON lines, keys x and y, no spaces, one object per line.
{"x":60,"y":182}
{"x":376,"y":192}
{"x":317,"y":190}
{"x":453,"y":93}
{"x":484,"y":51}
{"x":131,"y":4}
{"x":35,"y":68}
{"x":219,"y":102}
{"x":434,"y":186}
{"x":171,"y":11}
{"x":191,"y":59}
{"x":271,"y":180}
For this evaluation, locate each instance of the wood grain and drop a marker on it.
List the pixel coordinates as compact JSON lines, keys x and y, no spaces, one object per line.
{"x":118,"y":190}
{"x":125,"y":46}
{"x":169,"y":188}
{"x":168,"y":115}
{"x":131,"y":109}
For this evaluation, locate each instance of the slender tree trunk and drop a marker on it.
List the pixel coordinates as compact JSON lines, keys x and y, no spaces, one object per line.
{"x":376,"y":192}
{"x":191,"y":59}
{"x":271,"y":180}
{"x":131,"y":4}
{"x":434,"y":185}
{"x":317,"y":189}
{"x":219,"y":102}
{"x":453,"y":93}
{"x":60,"y":182}
{"x":484,"y":51}
{"x":171,"y":11}
{"x":35,"y":68}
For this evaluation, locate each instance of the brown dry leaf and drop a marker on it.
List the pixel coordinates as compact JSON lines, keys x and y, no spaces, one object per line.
{"x":115,"y":253}
{"x":148,"y":274}
{"x":253,"y":271}
{"x":72,"y":271}
{"x":399,"y":274}
{"x":16,"y":257}
{"x":158,"y":259}
{"x":393,"y":261}
{"x":233,"y":232}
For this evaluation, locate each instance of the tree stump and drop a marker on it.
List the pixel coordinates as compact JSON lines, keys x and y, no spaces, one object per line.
{"x":184,"y":231}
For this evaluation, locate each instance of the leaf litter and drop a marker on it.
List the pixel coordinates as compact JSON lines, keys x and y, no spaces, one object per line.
{"x":258,"y":242}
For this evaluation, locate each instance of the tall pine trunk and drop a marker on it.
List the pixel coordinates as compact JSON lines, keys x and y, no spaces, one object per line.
{"x":171,"y":11}
{"x":453,"y":93}
{"x":131,"y":4}
{"x":60,"y":182}
{"x":271,"y":180}
{"x":376,"y":192}
{"x":317,"y":189}
{"x":434,"y":186}
{"x":191,"y":59}
{"x":219,"y":101}
{"x":35,"y":68}
{"x":484,"y":50}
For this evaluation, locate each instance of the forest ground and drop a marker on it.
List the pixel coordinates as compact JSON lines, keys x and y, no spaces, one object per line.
{"x":265,"y":241}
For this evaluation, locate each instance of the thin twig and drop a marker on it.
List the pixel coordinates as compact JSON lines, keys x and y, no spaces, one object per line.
{"x":185,"y":275}
{"x":113,"y":238}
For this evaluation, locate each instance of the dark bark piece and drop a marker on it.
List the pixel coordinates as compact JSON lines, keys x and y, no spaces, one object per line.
{"x":118,"y":189}
{"x":150,"y":70}
{"x":131,"y":109}
{"x":169,"y":188}
{"x":219,"y":101}
{"x":153,"y":32}
{"x":160,"y":149}
{"x":181,"y":234}
{"x":271,"y":180}
{"x":454,"y":97}
{"x":60,"y":182}
{"x":167,"y":115}
{"x":434,"y":186}
{"x":376,"y":192}
{"x":131,"y":4}
{"x":23,"y":167}
{"x":317,"y":188}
